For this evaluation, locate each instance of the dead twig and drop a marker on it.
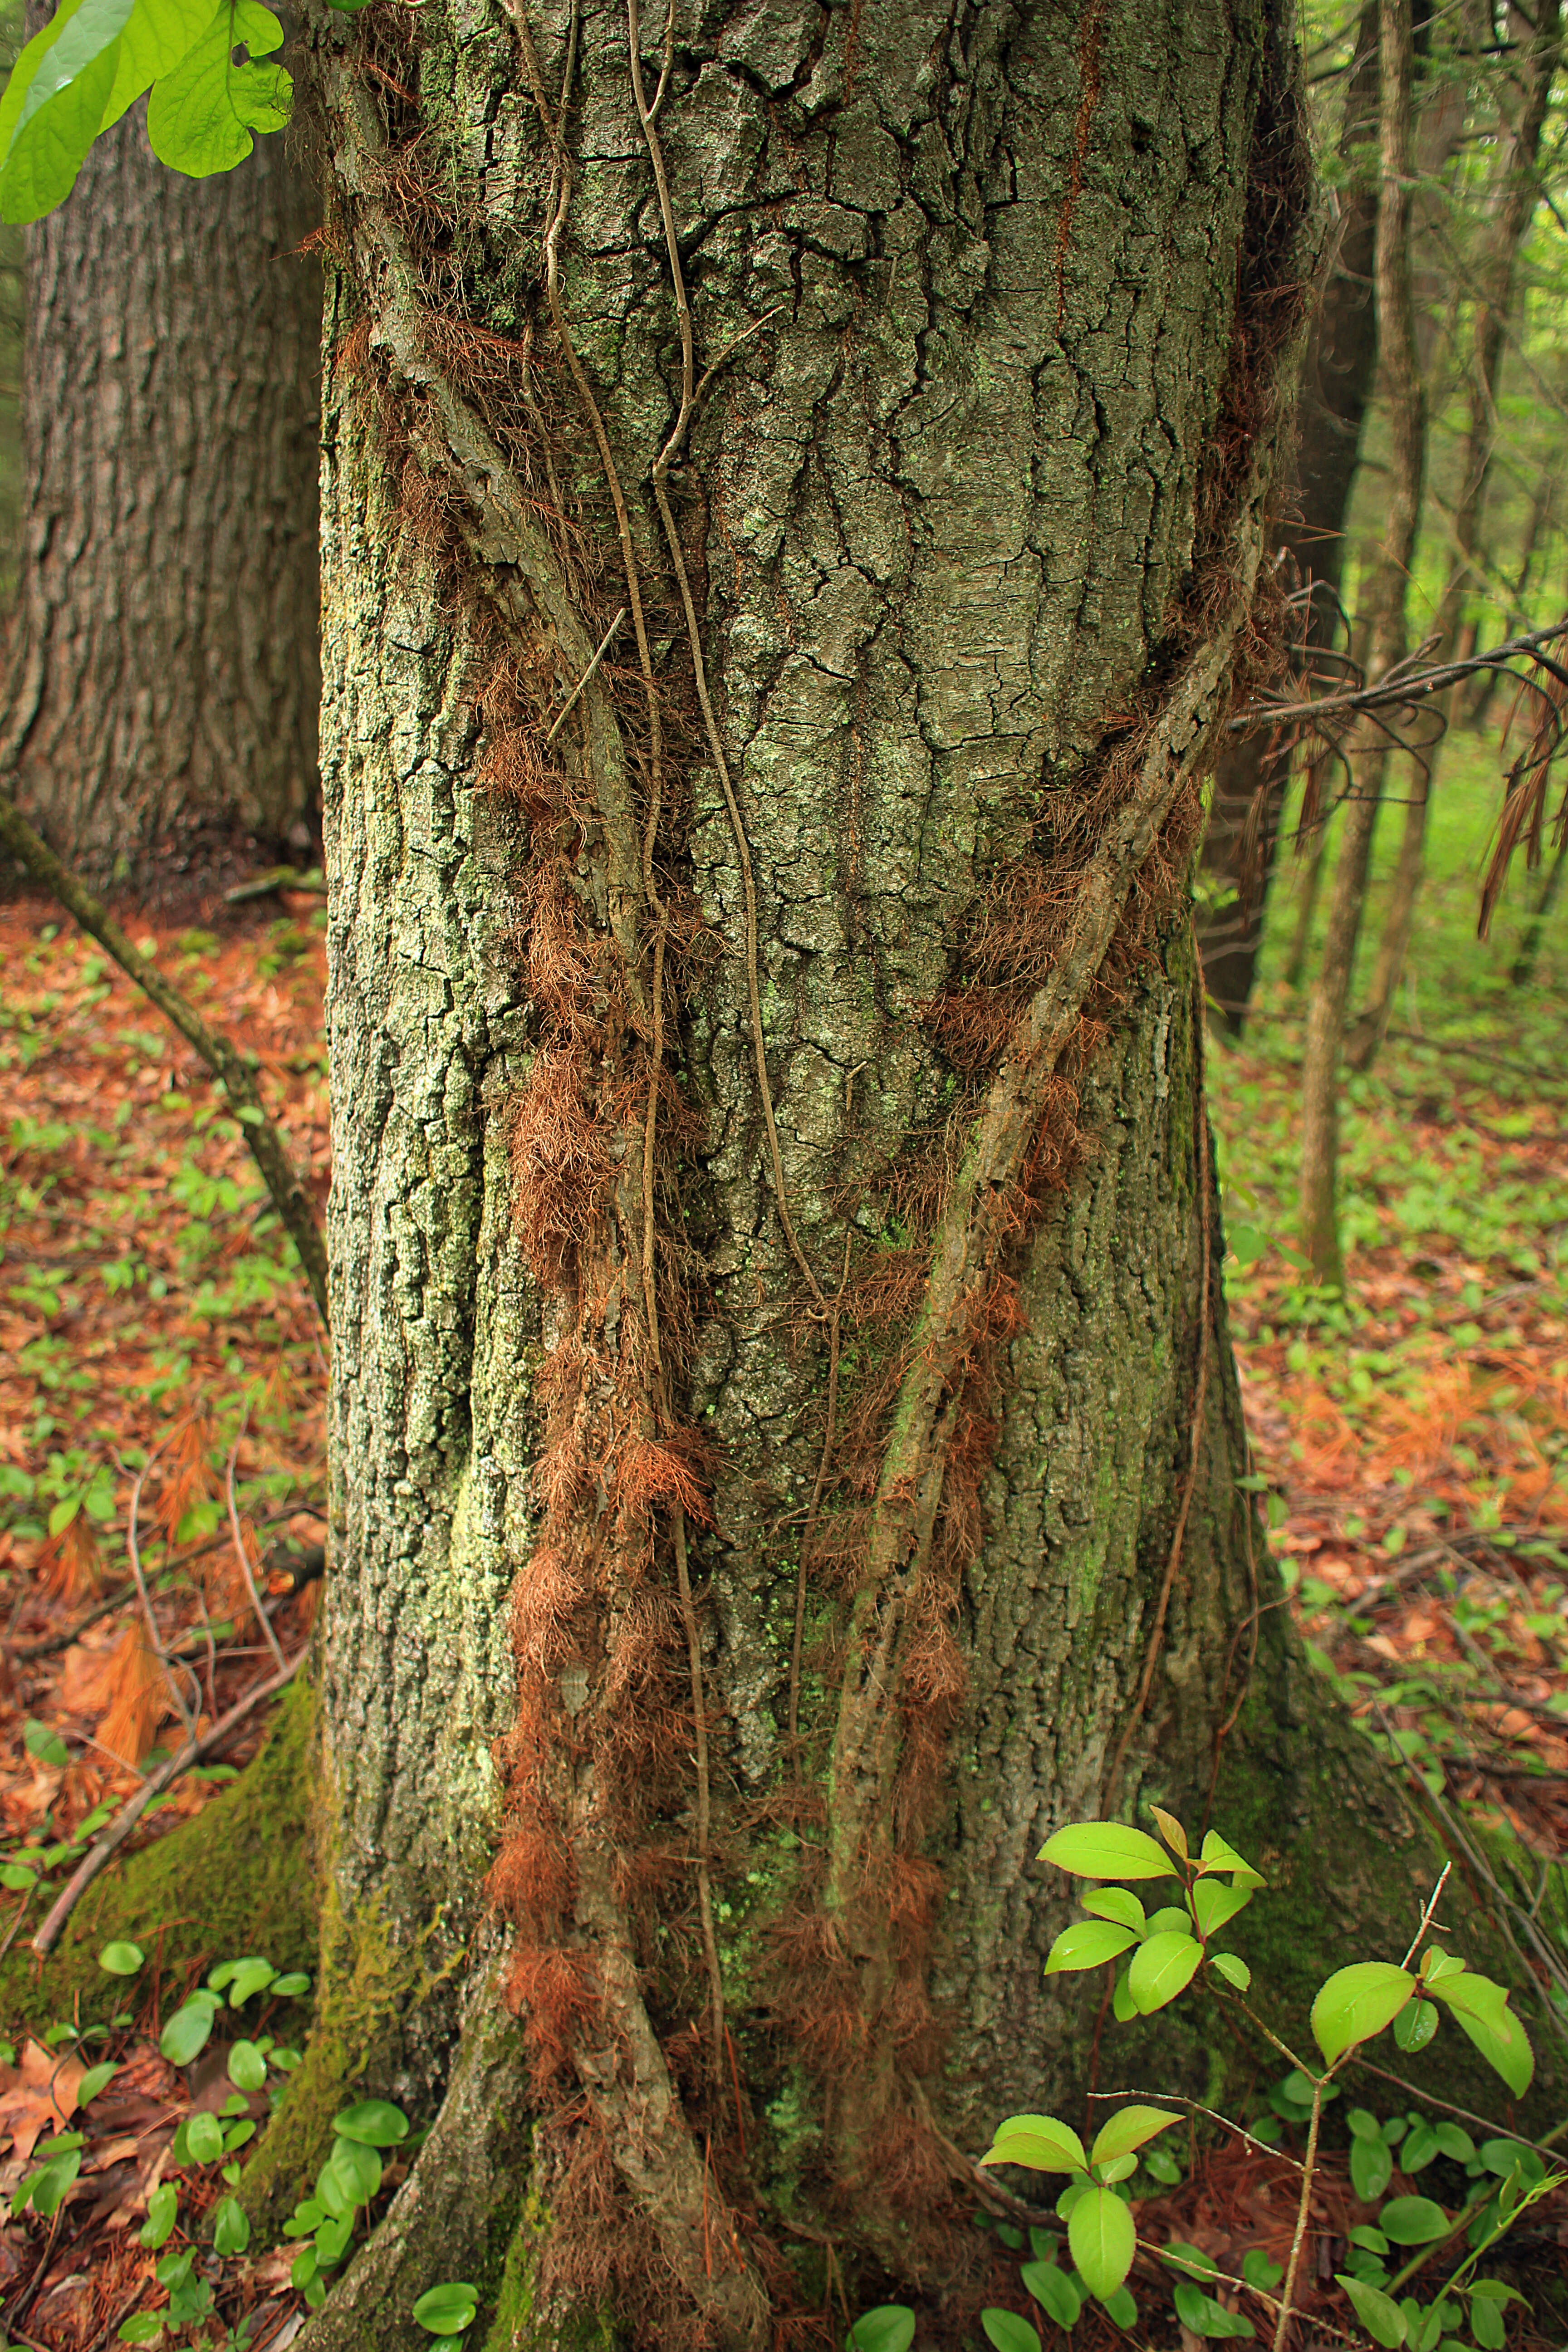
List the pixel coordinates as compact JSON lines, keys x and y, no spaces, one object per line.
{"x":247,"y":1572}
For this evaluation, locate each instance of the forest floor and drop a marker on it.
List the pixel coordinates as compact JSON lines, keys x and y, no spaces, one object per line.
{"x":162,"y":1392}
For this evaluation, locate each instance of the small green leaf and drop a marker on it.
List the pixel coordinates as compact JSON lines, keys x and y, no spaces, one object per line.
{"x":248,"y":1115}
{"x":1260,"y":2270}
{"x":121,"y":1959}
{"x":187,"y":2033}
{"x":95,"y":2080}
{"x":1107,"y":1849}
{"x":1371,"y":2168}
{"x":1382,"y":2318}
{"x":447,"y":2310}
{"x":15,"y":1876}
{"x":1088,"y":1944}
{"x":1040,"y":2142}
{"x":1413,"y":2222}
{"x":1008,"y":2333}
{"x":1220,"y":1855}
{"x":1205,"y":2316}
{"x":892,"y":2326}
{"x":1481,"y":2009}
{"x":1191,"y":2261}
{"x":1456,"y":2142}
{"x":358,"y":2168}
{"x":1234,"y":1970}
{"x":333,"y":2236}
{"x":1117,"y":1903}
{"x":200,"y":115}
{"x":37,"y":1737}
{"x":162,"y":2209}
{"x":1488,"y":2324}
{"x":1158,"y":1971}
{"x":231,"y":2234}
{"x":375,"y":2122}
{"x":1170,"y":1830}
{"x":247,"y":2068}
{"x":249,"y":1978}
{"x":1215,"y":1904}
{"x":204,"y":2137}
{"x":1129,"y":2128}
{"x":1357,"y":2003}
{"x":290,"y":1987}
{"x":1102,"y":2240}
{"x":47,"y":2187}
{"x":1053,"y":2291}
{"x":1121,"y":2309}
{"x":1123,"y":2008}
{"x":145,"y":2328}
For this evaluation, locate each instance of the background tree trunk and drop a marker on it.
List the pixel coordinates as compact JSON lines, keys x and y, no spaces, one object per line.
{"x":165,"y":674}
{"x":774,"y":1221}
{"x":1526,"y":94}
{"x":1241,"y":841}
{"x":1400,"y":384}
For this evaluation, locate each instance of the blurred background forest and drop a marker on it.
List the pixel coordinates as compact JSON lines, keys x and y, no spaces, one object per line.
{"x":1406,"y":1361}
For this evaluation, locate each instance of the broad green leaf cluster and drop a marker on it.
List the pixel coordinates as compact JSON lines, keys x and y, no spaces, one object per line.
{"x":1169,"y":1945}
{"x":350,"y":2178}
{"x":205,"y":72}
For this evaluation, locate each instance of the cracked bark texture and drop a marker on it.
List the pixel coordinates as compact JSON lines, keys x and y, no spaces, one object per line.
{"x":163,"y":674}
{"x":942,"y":518}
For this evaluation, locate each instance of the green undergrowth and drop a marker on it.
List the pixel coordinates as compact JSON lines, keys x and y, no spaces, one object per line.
{"x":1348,"y":1868}
{"x":240,"y":1878}
{"x":365,"y":1980}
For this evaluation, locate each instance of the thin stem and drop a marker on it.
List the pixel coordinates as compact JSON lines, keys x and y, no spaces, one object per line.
{"x":1175,"y":2099}
{"x":262,"y":1618}
{"x":1426,"y":1921}
{"x":1302,"y":2210}
{"x":699,"y":1726}
{"x":133,"y":1549}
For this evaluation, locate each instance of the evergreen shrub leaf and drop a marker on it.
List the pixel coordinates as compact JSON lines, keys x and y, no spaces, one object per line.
{"x":1102,"y":2240}
{"x":1107,"y":1849}
{"x":1357,"y":2003}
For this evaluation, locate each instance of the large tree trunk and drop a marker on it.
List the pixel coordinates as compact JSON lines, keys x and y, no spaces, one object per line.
{"x":165,"y":677}
{"x":774,"y":1226}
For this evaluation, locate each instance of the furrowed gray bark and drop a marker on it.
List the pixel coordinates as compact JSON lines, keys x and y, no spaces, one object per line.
{"x":164,"y":673}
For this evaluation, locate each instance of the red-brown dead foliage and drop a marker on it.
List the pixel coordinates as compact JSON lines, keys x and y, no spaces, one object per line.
{"x":531,"y":1879}
{"x":904,"y":2167}
{"x":551,"y":1987}
{"x":544,"y":1597}
{"x":561,"y":1168}
{"x":664,"y":1471}
{"x":69,"y":1568}
{"x":559,"y":958}
{"x":138,"y":1694}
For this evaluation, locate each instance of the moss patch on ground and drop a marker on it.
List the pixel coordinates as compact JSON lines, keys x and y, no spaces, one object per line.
{"x":238,"y":1878}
